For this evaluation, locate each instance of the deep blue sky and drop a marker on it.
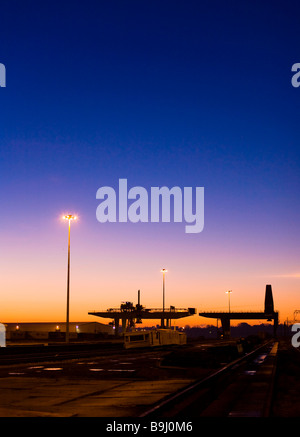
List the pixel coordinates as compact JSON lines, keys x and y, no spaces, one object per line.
{"x":188,"y":93}
{"x":160,"y":92}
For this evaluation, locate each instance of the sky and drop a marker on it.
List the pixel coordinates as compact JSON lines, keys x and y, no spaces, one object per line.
{"x":161,"y":93}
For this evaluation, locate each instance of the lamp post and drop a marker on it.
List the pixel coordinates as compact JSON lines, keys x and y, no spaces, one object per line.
{"x":228,"y":292}
{"x":164,"y":283}
{"x":68,"y":217}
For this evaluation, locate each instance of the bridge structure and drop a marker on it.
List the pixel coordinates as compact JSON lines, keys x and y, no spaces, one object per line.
{"x":269,"y":314}
{"x":130,"y":315}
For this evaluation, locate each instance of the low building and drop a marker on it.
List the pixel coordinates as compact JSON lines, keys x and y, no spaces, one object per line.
{"x":56,"y":330}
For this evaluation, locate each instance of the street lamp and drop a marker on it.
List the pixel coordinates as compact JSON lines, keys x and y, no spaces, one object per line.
{"x":163,"y":272}
{"x":68,"y":217}
{"x":228,"y":292}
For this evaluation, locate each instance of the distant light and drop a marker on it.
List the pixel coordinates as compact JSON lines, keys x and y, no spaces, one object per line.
{"x":57,"y":328}
{"x":229,"y":291}
{"x":53,"y":368}
{"x":17,"y":327}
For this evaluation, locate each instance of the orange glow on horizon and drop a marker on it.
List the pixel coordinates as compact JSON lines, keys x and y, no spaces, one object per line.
{"x":37,"y":292}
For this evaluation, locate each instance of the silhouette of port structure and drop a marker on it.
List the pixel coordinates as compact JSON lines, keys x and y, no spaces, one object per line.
{"x":269,"y":314}
{"x":130,"y":315}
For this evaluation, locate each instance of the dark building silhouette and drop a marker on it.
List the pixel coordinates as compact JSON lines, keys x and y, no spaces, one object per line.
{"x":269,"y":303}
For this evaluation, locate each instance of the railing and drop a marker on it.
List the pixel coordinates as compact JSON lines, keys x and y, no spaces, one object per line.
{"x":146,"y":310}
{"x":228,"y":312}
{"x":235,"y":311}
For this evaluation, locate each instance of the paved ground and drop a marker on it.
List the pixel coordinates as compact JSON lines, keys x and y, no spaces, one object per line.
{"x":287,"y":382}
{"x":103,"y":387}
{"x":100,"y":398}
{"x":114,"y":386}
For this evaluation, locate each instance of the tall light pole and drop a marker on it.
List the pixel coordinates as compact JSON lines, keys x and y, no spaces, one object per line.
{"x":164,"y":285}
{"x":228,"y":292}
{"x":68,"y":217}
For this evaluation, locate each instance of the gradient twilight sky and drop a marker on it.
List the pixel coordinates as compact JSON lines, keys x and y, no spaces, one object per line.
{"x":174,"y":93}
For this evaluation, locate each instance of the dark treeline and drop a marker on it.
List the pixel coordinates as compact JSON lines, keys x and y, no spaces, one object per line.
{"x":241,"y":330}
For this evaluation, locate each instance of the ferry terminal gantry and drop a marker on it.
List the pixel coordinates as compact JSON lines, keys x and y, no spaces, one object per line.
{"x":130,"y":315}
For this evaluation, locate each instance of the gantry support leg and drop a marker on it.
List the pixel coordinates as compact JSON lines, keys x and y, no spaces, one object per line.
{"x":116,"y":327}
{"x":275,"y":324}
{"x":226,"y":327}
